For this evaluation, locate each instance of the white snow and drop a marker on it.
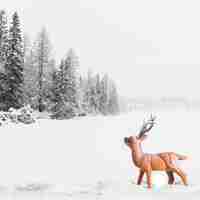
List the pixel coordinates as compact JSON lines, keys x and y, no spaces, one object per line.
{"x":85,"y":158}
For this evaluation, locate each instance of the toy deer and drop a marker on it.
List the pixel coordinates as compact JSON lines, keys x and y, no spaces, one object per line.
{"x":149,"y":162}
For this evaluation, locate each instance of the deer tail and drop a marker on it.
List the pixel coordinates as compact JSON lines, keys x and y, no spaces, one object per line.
{"x":181,"y":157}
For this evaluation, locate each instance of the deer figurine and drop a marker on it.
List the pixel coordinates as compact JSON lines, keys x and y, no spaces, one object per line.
{"x":153,"y":162}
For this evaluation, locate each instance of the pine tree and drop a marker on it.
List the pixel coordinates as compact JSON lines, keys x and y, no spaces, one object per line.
{"x":70,"y":84}
{"x":3,"y":58}
{"x":81,"y":95}
{"x":14,"y":65}
{"x":66,"y":88}
{"x":83,"y":82}
{"x":45,"y":65}
{"x":98,"y":92}
{"x":27,"y":71}
{"x":58,"y":84}
{"x":104,"y":97}
{"x":31,"y":80}
{"x":3,"y":38}
{"x":57,"y":95}
{"x":113,"y":103}
{"x":87,"y":93}
{"x":3,"y":88}
{"x":93,"y":97}
{"x":71,"y":79}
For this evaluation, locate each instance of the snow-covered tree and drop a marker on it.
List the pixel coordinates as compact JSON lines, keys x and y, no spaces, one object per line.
{"x":3,"y":38}
{"x":14,"y":65}
{"x":94,"y":94}
{"x":3,"y":90}
{"x":86,"y":87}
{"x":98,"y":92}
{"x":71,"y":79}
{"x":99,"y":95}
{"x":57,"y":94}
{"x":31,"y":79}
{"x":67,"y":88}
{"x":45,"y":64}
{"x":104,"y":98}
{"x":113,"y":102}
{"x":81,"y":93}
{"x":38,"y":71}
{"x":3,"y":58}
{"x":28,"y":68}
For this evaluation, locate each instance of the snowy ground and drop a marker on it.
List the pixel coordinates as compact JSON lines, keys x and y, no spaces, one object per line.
{"x":85,"y":158}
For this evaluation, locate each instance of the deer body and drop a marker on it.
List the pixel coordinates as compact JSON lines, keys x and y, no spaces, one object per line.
{"x":153,"y":162}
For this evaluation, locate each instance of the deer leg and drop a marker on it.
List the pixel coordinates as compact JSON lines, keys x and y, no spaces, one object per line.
{"x":182,"y":175}
{"x":171,"y":177}
{"x":140,"y":177}
{"x":149,"y":181}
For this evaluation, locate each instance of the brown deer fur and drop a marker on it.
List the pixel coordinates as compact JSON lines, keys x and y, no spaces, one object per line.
{"x":150,"y":162}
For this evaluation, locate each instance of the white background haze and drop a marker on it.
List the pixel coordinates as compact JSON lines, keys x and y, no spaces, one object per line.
{"x":151,"y":48}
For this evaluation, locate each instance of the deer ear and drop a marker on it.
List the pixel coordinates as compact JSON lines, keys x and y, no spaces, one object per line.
{"x":143,"y":137}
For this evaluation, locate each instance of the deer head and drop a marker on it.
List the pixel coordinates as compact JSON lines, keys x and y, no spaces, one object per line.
{"x":146,"y":127}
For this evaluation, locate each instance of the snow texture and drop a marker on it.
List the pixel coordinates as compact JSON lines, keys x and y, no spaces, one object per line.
{"x":85,"y":158}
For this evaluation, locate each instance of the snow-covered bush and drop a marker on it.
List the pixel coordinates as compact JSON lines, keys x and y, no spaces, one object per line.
{"x":4,"y":118}
{"x":22,"y":115}
{"x":13,"y":115}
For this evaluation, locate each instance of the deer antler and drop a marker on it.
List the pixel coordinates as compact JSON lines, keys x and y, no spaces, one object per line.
{"x":147,"y":126}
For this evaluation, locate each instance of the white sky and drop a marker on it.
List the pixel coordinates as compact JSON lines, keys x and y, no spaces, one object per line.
{"x":151,"y":48}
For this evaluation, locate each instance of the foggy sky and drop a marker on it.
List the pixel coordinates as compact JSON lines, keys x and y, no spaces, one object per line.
{"x":151,"y":48}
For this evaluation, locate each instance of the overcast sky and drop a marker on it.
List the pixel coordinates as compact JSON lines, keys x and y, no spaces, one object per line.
{"x":151,"y":48}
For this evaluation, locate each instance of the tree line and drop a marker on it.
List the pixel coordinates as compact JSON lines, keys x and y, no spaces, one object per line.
{"x":29,"y":75}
